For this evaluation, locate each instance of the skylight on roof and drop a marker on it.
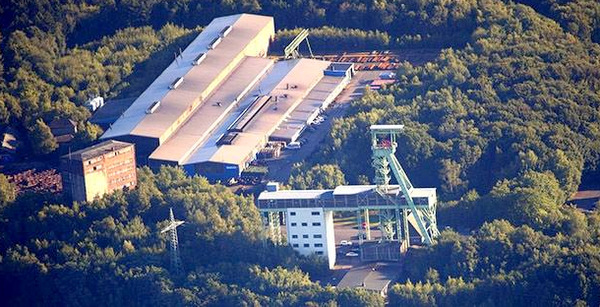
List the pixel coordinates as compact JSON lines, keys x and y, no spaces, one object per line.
{"x":176,"y":83}
{"x":152,"y":108}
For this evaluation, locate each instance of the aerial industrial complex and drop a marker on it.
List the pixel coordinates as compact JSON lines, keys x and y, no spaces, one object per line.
{"x":222,"y":100}
{"x":308,"y":214}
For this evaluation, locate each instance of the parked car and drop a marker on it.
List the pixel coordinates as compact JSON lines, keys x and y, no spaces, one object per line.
{"x":293,"y":145}
{"x":345,"y":243}
{"x":351,"y":254}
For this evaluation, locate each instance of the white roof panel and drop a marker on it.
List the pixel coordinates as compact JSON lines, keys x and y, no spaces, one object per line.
{"x":199,"y":81}
{"x":213,"y":111}
{"x":292,"y":194}
{"x":394,"y":189}
{"x":352,"y":189}
{"x":386,"y":127}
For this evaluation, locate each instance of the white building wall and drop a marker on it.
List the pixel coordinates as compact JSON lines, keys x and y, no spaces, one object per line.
{"x":330,"y":235}
{"x":310,"y":231}
{"x":336,"y":92}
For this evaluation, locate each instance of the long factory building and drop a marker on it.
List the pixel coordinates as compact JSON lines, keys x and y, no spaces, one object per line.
{"x":221,"y":100}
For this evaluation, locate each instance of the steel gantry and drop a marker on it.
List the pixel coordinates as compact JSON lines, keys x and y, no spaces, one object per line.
{"x":308,"y":214}
{"x":422,"y":218}
{"x":291,"y":51}
{"x":272,"y":220}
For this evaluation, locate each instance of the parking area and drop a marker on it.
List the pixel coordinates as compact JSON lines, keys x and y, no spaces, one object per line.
{"x":280,"y":168}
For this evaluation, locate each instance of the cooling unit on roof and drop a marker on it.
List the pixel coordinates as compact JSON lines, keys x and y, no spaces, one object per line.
{"x":226,"y":31}
{"x":199,"y":58}
{"x":214,"y":43}
{"x":176,"y":83}
{"x":153,"y":107}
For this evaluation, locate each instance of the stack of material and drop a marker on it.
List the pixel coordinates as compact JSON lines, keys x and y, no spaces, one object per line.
{"x":37,"y":181}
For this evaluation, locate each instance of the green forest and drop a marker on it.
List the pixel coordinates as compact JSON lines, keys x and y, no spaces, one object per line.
{"x":110,"y":252}
{"x":505,"y":122}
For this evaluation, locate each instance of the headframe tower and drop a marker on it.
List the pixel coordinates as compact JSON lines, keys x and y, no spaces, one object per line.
{"x":402,"y":209}
{"x":384,"y":161}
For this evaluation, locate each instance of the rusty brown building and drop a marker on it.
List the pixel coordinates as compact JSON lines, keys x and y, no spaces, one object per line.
{"x":99,"y":169}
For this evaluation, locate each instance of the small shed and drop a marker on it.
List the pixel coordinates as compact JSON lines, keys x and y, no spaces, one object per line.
{"x":63,"y":126}
{"x":9,"y":142}
{"x":374,"y":277}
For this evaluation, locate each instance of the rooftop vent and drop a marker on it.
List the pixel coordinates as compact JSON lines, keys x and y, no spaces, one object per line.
{"x":199,"y":59}
{"x":226,"y":31}
{"x":152,"y":108}
{"x":214,"y":43}
{"x":176,"y":83}
{"x":272,"y":186}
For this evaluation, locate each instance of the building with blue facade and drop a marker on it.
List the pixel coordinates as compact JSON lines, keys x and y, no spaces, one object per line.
{"x":222,"y":99}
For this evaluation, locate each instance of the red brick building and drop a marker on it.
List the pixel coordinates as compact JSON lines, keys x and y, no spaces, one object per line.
{"x":99,"y":169}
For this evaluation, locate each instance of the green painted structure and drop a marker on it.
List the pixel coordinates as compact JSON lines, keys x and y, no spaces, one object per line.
{"x":384,"y":161}
{"x":399,"y":205}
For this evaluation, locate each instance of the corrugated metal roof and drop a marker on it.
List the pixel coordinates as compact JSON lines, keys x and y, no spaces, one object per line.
{"x":307,"y":109}
{"x":213,"y":111}
{"x":200,"y":80}
{"x":373,"y":276}
{"x":294,"y":79}
{"x":294,"y":86}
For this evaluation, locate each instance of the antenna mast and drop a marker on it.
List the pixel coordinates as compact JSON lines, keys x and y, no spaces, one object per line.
{"x":172,"y":229}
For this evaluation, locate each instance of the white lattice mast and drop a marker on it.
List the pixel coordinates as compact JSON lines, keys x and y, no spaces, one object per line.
{"x":172,"y":229}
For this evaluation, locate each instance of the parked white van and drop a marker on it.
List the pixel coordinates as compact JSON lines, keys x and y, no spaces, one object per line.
{"x":293,"y":145}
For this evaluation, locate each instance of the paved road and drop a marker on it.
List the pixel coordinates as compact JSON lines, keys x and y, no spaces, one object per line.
{"x":279,"y":169}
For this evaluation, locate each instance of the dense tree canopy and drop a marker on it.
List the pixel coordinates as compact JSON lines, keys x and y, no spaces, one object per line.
{"x":504,"y":122}
{"x":326,"y":176}
{"x":76,"y":255}
{"x":506,"y":265}
{"x":41,"y":138}
{"x":580,"y":17}
{"x":523,"y":95}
